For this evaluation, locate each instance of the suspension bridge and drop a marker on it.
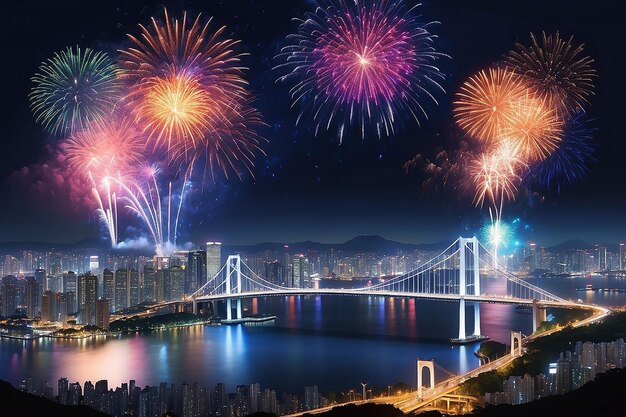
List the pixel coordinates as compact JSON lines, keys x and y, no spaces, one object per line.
{"x":456,"y":274}
{"x":465,"y":272}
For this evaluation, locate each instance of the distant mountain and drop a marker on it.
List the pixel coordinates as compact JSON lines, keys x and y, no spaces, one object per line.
{"x":573,"y":244}
{"x":364,"y":243}
{"x":87,"y":243}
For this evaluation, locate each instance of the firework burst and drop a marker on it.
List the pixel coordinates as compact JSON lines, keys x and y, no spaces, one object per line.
{"x":187,"y":92}
{"x":107,"y":156}
{"x":486,"y":102}
{"x":569,"y":163}
{"x":495,"y":175}
{"x":73,"y":90}
{"x":363,"y":62}
{"x":557,"y":70}
{"x":534,"y":127}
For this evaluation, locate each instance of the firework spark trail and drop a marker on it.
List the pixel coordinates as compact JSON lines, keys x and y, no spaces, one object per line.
{"x":142,"y":197}
{"x":496,"y":176}
{"x":101,"y":153}
{"x":74,"y":90}
{"x":367,"y":61}
{"x":557,"y":71}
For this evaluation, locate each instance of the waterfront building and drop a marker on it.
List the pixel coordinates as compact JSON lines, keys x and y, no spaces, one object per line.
{"x":87,"y":296}
{"x":102,"y":313}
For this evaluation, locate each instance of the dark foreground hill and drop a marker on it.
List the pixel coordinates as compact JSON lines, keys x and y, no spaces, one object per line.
{"x":16,"y":403}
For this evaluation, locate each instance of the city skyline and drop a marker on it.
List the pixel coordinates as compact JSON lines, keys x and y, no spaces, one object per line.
{"x":312,"y":188}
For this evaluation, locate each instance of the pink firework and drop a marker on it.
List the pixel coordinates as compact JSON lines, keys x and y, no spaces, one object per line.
{"x":369,"y":62}
{"x":107,"y":156}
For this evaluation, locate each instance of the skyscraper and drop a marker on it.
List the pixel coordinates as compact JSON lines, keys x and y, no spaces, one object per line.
{"x":195,"y":274}
{"x":177,"y":277}
{"x":88,"y":294}
{"x":147,"y":290}
{"x":120,"y":301}
{"x":48,"y":306}
{"x":70,"y":285}
{"x":301,"y":273}
{"x":108,"y":286}
{"x":9,"y":295}
{"x":213,"y":259}
{"x":33,"y":297}
{"x":102,"y":313}
{"x":133,"y":287}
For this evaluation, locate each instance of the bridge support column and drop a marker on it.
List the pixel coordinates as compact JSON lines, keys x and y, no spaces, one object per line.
{"x":462,"y":319}
{"x":239,"y":315}
{"x":539,"y":315}
{"x":229,"y":310}
{"x":430,"y":365}
{"x":194,"y":303}
{"x":476,"y":318}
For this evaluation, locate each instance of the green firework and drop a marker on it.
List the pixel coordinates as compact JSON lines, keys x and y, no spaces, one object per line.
{"x":73,"y":89}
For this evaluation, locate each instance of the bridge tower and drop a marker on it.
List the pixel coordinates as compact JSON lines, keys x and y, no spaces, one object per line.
{"x":516,"y":337}
{"x":469,"y":261}
{"x":430,"y":365}
{"x":233,"y":265}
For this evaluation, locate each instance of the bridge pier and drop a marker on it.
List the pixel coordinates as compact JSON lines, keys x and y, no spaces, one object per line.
{"x":539,"y":315}
{"x":462,"y":319}
{"x":476,"y":319}
{"x":239,"y":315}
{"x":194,"y":302}
{"x":229,"y":310}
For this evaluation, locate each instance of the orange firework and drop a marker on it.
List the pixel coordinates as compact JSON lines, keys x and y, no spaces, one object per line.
{"x":534,"y":128}
{"x":186,"y":90}
{"x":557,"y":70}
{"x":176,"y":108}
{"x":486,"y":101}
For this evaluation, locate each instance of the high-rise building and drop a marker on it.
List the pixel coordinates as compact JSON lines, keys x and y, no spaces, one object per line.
{"x":102,"y":313}
{"x":33,"y":297}
{"x":311,"y":397}
{"x":9,"y":295}
{"x":213,"y":259}
{"x":87,"y":296}
{"x":177,"y":287}
{"x":120,"y":300}
{"x":301,"y":273}
{"x":49,"y":306}
{"x":159,"y":285}
{"x":94,"y":264}
{"x":147,"y":290}
{"x":195,"y":274}
{"x":108,"y":286}
{"x":133,"y":287}
{"x":70,"y":285}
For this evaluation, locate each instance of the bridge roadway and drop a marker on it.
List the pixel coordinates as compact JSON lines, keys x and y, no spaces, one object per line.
{"x":376,"y":293}
{"x":410,"y":402}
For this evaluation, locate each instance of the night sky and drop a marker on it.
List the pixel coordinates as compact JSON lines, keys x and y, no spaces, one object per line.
{"x":313,"y":188}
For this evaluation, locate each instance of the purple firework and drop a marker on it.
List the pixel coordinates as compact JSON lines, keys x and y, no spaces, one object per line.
{"x":366,"y":61}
